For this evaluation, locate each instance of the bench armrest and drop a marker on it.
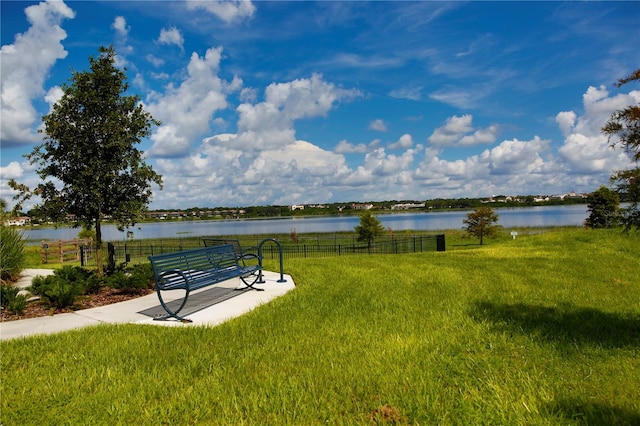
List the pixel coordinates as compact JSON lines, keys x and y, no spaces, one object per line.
{"x":179,"y":272}
{"x":249,"y":256}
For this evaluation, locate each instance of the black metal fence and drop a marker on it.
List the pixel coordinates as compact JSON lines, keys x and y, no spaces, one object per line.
{"x":139,"y":251}
{"x":413,"y":244}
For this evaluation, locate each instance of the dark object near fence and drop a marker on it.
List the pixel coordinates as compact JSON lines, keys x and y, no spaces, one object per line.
{"x":190,"y":270}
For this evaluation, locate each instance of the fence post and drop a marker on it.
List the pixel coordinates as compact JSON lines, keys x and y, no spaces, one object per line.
{"x":111,"y":249}
{"x":440,"y":243}
{"x":43,"y":251}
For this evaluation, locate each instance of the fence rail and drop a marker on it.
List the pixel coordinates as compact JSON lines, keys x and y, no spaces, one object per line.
{"x":65,"y":251}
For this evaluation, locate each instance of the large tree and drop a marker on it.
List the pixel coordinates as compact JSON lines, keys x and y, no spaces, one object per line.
{"x":623,"y":129}
{"x":89,"y":162}
{"x":603,"y":208}
{"x":481,"y":223}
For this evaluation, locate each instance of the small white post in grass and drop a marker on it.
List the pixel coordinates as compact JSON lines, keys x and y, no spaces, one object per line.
{"x":514,"y":234}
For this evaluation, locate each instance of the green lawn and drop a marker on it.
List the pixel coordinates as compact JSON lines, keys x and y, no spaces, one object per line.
{"x":541,"y":330}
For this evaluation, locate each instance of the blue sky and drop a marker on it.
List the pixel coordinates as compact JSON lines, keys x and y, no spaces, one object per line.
{"x":312,"y":102}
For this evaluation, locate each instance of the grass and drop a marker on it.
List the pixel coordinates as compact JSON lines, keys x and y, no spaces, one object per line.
{"x":541,"y":330}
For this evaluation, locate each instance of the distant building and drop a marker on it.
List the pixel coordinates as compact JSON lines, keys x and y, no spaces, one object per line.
{"x":407,"y":206}
{"x":19,"y":221}
{"x":361,"y":206}
{"x":295,"y":207}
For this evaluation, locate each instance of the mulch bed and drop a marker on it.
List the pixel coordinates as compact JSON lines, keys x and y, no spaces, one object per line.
{"x":105,"y":296}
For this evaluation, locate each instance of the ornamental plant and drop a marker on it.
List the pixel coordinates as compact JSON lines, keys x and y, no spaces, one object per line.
{"x":11,"y":300}
{"x":12,"y":255}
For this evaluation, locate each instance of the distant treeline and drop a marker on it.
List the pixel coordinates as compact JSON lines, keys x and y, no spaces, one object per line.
{"x":356,"y":207}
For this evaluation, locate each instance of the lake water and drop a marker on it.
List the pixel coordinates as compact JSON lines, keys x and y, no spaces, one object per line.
{"x":573,"y":215}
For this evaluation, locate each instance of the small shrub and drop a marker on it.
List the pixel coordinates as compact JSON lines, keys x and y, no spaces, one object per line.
{"x":12,"y":254}
{"x":17,"y":304}
{"x":74,"y":274}
{"x":117,"y":280}
{"x":142,"y":275}
{"x":39,"y":284}
{"x":11,"y":300}
{"x":63,"y":287}
{"x":60,"y":293}
{"x":134,"y":278}
{"x":7,"y":292}
{"x":92,"y":284}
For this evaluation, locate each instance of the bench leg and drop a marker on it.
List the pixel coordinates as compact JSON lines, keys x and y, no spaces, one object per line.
{"x":171,"y":313}
{"x":250,"y":280}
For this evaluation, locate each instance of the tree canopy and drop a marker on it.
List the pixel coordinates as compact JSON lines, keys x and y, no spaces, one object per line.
{"x":623,"y":129}
{"x":89,"y":162}
{"x":370,"y":228}
{"x":481,"y":223}
{"x":603,"y":208}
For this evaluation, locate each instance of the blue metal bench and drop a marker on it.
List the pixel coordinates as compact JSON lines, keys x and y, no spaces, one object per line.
{"x":189,"y":270}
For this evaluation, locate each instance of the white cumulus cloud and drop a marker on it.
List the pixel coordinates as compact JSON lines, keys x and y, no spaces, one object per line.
{"x":405,"y":141}
{"x":515,"y":157}
{"x":170,"y":36}
{"x":269,"y":124}
{"x":12,"y":171}
{"x":187,"y":109}
{"x":120,"y":25}
{"x":455,"y":132}
{"x":585,"y":148}
{"x":378,"y":125}
{"x":345,"y":147}
{"x":227,"y":10}
{"x":25,"y":65}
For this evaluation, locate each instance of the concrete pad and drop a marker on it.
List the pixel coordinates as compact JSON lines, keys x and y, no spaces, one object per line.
{"x":28,"y":274}
{"x":236,"y":306}
{"x":127,"y":312}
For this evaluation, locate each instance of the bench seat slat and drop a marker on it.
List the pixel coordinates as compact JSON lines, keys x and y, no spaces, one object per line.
{"x":200,"y":279}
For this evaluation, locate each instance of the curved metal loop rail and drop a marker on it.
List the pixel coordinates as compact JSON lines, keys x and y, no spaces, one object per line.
{"x":260,"y":278}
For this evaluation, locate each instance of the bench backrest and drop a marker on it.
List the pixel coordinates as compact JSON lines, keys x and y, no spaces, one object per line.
{"x":193,"y":262}
{"x":212,"y":242}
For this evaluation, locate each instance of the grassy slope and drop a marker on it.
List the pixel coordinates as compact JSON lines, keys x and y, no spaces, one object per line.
{"x":544,"y":329}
